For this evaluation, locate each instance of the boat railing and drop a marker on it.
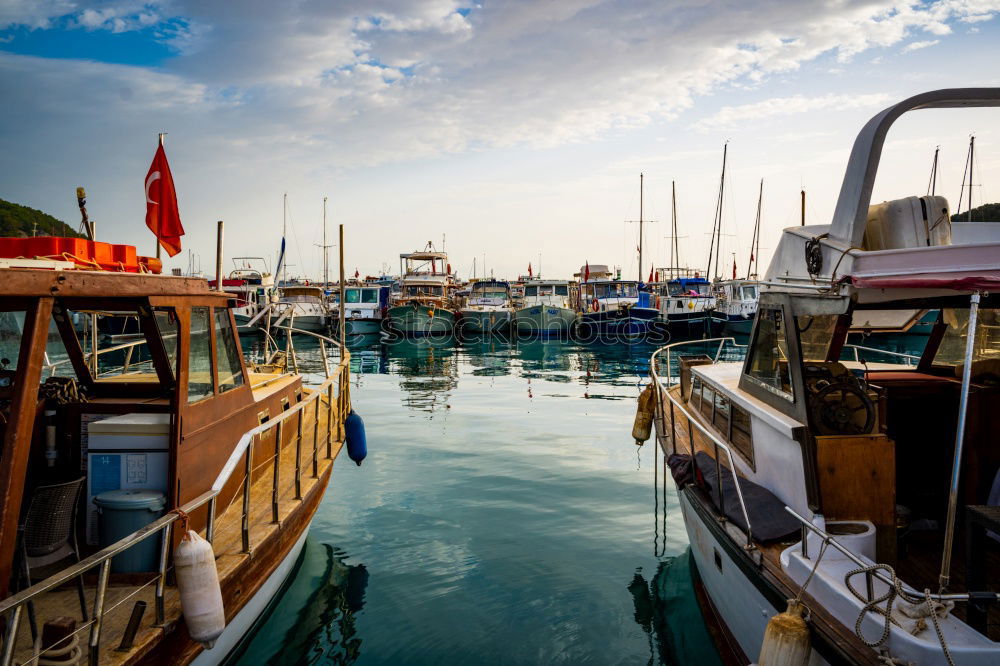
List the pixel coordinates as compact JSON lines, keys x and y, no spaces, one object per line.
{"x":910,"y":359}
{"x":332,"y":396}
{"x":717,"y":442}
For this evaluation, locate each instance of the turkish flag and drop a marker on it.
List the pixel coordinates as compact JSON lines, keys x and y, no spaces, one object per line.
{"x":529,"y":269}
{"x":586,"y":272}
{"x":356,"y":274}
{"x":650,"y":275}
{"x":162,"y":217}
{"x":734,"y":269}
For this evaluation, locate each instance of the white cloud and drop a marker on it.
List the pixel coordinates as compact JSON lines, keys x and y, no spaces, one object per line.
{"x":729,"y":117}
{"x":915,"y":46}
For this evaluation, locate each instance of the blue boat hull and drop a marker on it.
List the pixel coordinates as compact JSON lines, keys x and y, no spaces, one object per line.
{"x":626,"y":322}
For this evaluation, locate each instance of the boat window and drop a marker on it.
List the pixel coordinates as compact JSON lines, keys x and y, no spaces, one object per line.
{"x":816,"y":335}
{"x":423,"y":290}
{"x":768,"y":363}
{"x":695,"y":395}
{"x":740,"y":435}
{"x":352,"y":296}
{"x":562,"y":290}
{"x":200,"y":356}
{"x":11,"y":327}
{"x":720,"y":419}
{"x":748,"y":293}
{"x":531,"y":291}
{"x":707,"y":401}
{"x":545,"y":290}
{"x":369,"y":296}
{"x":166,"y":324}
{"x":987,"y":344}
{"x":227,"y":353}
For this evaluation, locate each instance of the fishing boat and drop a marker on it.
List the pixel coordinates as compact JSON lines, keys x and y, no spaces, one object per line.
{"x":547,"y":309}
{"x":252,"y":285}
{"x":735,"y":305}
{"x":303,"y":307}
{"x":865,"y":482}
{"x":615,"y":309}
{"x":424,"y":305}
{"x":488,"y":308}
{"x":686,"y":304}
{"x":365,"y":306}
{"x":197,"y":473}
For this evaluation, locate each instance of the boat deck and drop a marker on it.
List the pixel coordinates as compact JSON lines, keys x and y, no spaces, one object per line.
{"x":235,"y":567}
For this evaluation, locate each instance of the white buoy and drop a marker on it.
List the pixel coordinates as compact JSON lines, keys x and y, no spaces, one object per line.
{"x":786,"y":639}
{"x":198,"y":584}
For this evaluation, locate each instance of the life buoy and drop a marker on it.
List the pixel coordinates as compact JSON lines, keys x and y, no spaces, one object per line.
{"x":596,"y":305}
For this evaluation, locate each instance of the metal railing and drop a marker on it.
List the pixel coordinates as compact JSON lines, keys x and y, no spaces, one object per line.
{"x":336,"y":407}
{"x":717,"y":442}
{"x":858,"y":348}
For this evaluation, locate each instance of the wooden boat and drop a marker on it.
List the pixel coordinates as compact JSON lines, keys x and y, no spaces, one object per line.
{"x":547,"y":309}
{"x":488,"y":309}
{"x":424,"y":304}
{"x":863,"y":480}
{"x":241,"y":455}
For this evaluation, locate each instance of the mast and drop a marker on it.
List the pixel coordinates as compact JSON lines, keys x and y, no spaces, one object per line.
{"x":932,"y":185}
{"x":640,"y":226}
{"x":755,"y":241}
{"x":675,"y":257}
{"x":326,"y":254}
{"x":715,"y":246}
{"x":284,"y":234}
{"x":972,"y":148}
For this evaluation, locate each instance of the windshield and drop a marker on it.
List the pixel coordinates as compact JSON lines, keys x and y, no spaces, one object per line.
{"x":615,"y":290}
{"x":352,"y":296}
{"x":423,"y":290}
{"x":369,"y":296}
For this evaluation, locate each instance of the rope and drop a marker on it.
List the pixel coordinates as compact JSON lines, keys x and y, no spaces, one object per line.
{"x":896,"y":590}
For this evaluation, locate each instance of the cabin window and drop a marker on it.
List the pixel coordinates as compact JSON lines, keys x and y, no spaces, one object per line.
{"x":987,"y":344}
{"x":740,"y":433}
{"x":227,"y":353}
{"x":531,"y":291}
{"x":695,"y":395}
{"x":707,"y":401}
{"x":815,"y":335}
{"x":166,"y":324}
{"x":562,"y":290}
{"x":11,"y":327}
{"x":768,"y":362}
{"x":748,"y":293}
{"x":200,"y":356}
{"x":369,"y":296}
{"x":720,"y":418}
{"x":352,"y":296}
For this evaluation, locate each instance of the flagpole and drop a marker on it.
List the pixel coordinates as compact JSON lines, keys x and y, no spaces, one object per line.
{"x":161,"y":135}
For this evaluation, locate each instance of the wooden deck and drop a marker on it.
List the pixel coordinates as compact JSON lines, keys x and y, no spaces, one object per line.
{"x":240,"y":574}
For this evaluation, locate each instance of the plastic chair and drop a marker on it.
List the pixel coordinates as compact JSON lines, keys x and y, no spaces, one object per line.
{"x":48,"y":533}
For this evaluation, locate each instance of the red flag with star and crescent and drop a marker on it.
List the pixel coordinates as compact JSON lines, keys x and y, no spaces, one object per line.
{"x":162,"y":216}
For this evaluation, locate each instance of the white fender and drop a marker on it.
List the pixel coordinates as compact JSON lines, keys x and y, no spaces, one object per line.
{"x":198,"y":584}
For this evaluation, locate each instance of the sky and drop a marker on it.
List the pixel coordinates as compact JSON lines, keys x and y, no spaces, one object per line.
{"x":509,"y":132}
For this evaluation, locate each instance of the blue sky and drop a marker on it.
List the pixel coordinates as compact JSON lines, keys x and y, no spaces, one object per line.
{"x":517,"y":129}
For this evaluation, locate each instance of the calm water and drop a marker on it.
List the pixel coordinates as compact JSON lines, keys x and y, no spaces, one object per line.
{"x":504,"y":515}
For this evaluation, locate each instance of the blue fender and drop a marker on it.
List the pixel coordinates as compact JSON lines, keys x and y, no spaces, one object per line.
{"x":354,"y":433}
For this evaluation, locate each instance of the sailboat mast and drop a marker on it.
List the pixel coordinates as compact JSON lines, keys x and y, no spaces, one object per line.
{"x":326,"y":254}
{"x":284,"y":234}
{"x":972,"y":148}
{"x":755,"y":241}
{"x":932,"y":185}
{"x":640,"y":226}
{"x":715,"y":244}
{"x":674,"y":253}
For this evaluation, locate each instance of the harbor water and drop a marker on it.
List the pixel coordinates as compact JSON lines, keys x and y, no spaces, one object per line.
{"x":504,"y":515}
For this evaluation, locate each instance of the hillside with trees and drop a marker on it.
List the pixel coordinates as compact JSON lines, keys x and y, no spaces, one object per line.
{"x":19,"y":221}
{"x":986,"y":213}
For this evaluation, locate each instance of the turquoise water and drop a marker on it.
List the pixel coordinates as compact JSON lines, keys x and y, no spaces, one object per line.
{"x":504,"y":515}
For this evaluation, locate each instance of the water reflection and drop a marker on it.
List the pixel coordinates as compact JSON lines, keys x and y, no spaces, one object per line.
{"x":667,"y":610}
{"x":316,"y":616}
